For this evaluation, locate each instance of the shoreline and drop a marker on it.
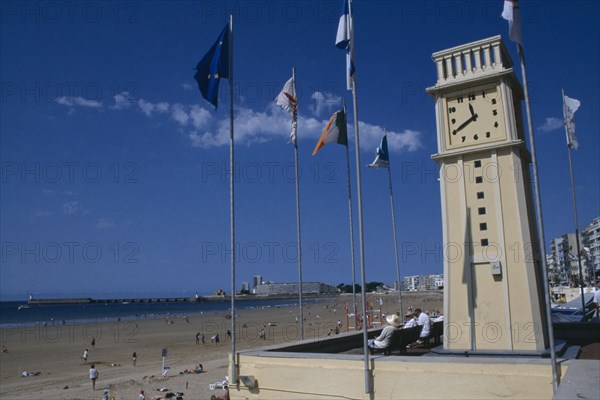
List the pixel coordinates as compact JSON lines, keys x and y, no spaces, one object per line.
{"x":57,"y":354}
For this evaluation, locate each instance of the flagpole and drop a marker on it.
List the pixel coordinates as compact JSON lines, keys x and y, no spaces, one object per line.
{"x":540,"y":222}
{"x":360,"y":212}
{"x":351,"y":229}
{"x":298,"y":216}
{"x":569,"y":146}
{"x":231,"y":204}
{"x":389,"y":168}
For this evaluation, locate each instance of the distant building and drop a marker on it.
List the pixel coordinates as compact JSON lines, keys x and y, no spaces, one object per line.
{"x":563,"y":263}
{"x":591,"y":247}
{"x":415,"y":283}
{"x":273,"y":289}
{"x":245,"y":287}
{"x":220,"y":292}
{"x":257,"y":280}
{"x":412,"y":283}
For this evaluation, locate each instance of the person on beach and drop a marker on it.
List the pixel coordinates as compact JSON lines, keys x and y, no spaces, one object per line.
{"x":224,"y":397}
{"x":85,"y":356}
{"x":134,"y":358}
{"x":384,"y":340}
{"x":142,"y":396}
{"x":198,"y":338}
{"x":4,"y":349}
{"x":93,"y":341}
{"x":93,"y":376}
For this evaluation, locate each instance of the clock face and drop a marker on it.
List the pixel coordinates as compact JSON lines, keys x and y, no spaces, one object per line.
{"x":475,"y":117}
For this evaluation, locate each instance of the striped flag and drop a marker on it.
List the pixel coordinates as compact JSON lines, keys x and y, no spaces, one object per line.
{"x":382,"y":160}
{"x":571,"y":105}
{"x":288,"y":100}
{"x":335,"y":131}
{"x":343,"y":40}
{"x":512,"y":15}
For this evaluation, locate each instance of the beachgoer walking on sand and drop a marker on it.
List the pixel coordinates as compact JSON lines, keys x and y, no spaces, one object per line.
{"x":134,"y":358}
{"x":142,"y":397}
{"x":198,"y":338}
{"x":93,"y":341}
{"x":93,"y":376}
{"x":228,"y":334}
{"x":85,"y":356}
{"x":202,"y":338}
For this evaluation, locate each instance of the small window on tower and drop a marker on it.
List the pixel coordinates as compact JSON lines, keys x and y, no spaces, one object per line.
{"x":477,"y":163}
{"x":484,"y":242}
{"x":479,"y":179}
{"x":481,"y":210}
{"x":480,"y":195}
{"x":483,"y":226}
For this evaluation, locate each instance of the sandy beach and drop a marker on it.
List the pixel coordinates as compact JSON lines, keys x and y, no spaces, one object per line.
{"x":56,"y":351}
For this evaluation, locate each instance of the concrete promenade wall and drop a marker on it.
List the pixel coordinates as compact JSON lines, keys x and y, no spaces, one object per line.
{"x":287,"y":375}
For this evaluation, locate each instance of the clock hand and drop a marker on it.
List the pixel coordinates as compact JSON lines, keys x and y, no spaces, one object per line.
{"x":471,"y":109}
{"x":464,"y":124}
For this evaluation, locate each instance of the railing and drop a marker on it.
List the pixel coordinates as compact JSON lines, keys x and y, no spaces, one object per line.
{"x":461,"y":62}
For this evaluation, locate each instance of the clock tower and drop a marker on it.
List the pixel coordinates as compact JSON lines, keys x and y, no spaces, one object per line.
{"x":493,"y":293}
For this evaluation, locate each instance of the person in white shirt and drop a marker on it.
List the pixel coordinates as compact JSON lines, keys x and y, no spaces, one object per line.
{"x":424,"y":321}
{"x":409,"y":320}
{"x":596,"y":299}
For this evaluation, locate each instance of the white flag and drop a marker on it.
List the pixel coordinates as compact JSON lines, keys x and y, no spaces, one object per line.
{"x":512,"y":15}
{"x":288,"y":101}
{"x":571,"y":105}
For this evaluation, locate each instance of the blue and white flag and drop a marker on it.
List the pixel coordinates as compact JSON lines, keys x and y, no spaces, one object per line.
{"x":343,"y":40}
{"x":214,"y":66}
{"x":382,"y":160}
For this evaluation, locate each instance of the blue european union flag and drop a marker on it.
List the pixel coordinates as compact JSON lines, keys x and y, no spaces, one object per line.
{"x":214,"y":66}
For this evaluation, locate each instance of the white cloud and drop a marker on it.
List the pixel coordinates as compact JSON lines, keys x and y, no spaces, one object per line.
{"x":370,"y":138}
{"x":200,"y":117}
{"x":149,"y":108}
{"x":123,"y":100}
{"x":324,"y":102}
{"x":205,"y":130}
{"x":551,"y":124}
{"x":104,"y":223}
{"x":179,"y":114}
{"x":78,"y":101}
{"x":71,"y":207}
{"x":51,"y":192}
{"x":187,"y":86}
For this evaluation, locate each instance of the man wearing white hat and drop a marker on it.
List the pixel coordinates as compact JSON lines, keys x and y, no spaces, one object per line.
{"x":385,"y":338}
{"x":409,"y":321}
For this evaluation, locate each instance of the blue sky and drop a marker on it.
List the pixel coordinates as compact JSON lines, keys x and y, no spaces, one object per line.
{"x":114,"y":168}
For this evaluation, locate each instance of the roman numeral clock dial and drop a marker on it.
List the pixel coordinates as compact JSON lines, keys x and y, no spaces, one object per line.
{"x":475,"y":117}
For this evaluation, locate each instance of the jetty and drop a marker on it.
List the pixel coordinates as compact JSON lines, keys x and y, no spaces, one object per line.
{"x":192,"y":299}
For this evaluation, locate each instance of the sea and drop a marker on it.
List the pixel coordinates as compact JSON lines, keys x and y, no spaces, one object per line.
{"x":11,"y":315}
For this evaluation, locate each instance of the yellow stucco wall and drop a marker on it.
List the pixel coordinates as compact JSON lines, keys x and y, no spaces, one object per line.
{"x":328,"y":377}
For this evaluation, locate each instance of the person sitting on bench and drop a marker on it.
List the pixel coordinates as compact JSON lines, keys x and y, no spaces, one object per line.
{"x":423,"y":320}
{"x":384,"y":340}
{"x":409,"y":320}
